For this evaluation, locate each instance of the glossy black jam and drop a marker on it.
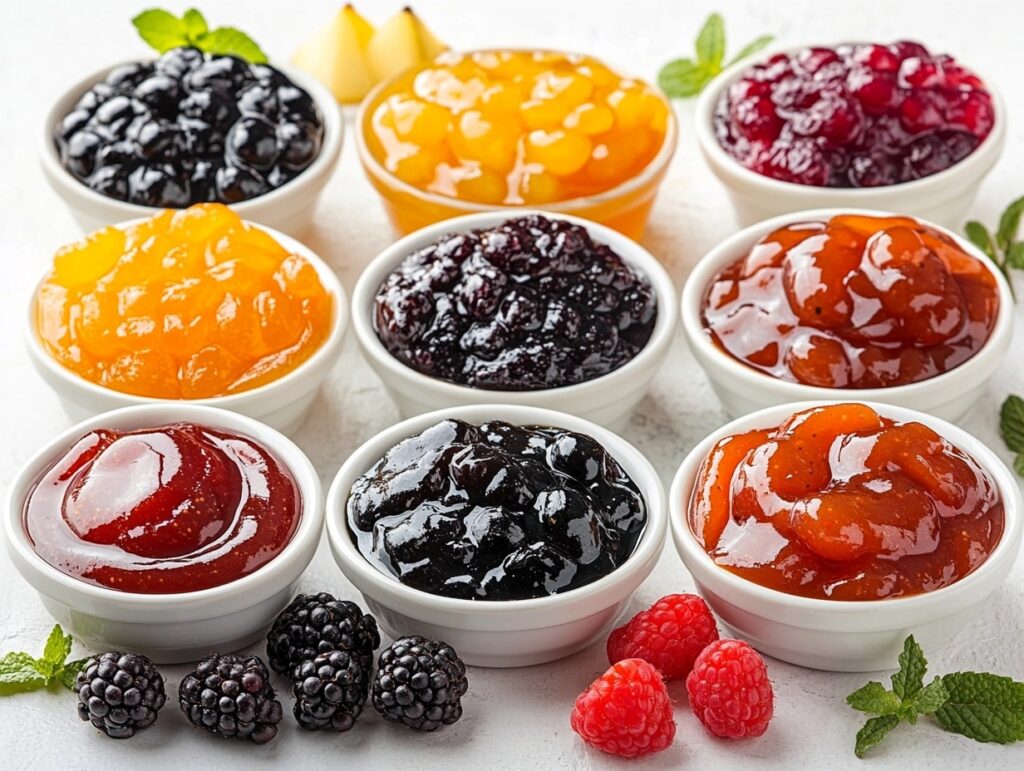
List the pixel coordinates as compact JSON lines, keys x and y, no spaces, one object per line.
{"x":496,"y":512}
{"x":189,"y":128}
{"x":530,"y":304}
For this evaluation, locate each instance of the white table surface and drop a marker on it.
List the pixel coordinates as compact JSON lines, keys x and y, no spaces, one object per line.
{"x":513,"y":718}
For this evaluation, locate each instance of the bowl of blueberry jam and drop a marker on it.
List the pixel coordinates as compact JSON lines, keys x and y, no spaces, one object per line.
{"x":192,"y":127}
{"x":533,"y":309}
{"x":518,"y":533}
{"x":895,"y":127}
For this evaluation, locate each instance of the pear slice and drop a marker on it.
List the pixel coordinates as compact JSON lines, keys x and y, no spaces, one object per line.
{"x":400,"y":43}
{"x":336,"y":56}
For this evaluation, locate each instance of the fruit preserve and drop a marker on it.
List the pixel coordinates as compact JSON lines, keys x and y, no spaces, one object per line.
{"x":841,"y":503}
{"x":855,"y":302}
{"x":496,"y":511}
{"x":176,"y":508}
{"x":185,"y":305}
{"x":854,"y":116}
{"x":530,"y":304}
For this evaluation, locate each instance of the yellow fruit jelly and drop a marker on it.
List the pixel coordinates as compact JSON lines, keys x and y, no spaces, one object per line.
{"x":517,"y":127}
{"x":188,"y":304}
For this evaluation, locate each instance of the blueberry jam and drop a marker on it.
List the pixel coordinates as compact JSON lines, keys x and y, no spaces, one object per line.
{"x":190,"y":127}
{"x":532,"y":303}
{"x":496,"y":511}
{"x":854,"y":116}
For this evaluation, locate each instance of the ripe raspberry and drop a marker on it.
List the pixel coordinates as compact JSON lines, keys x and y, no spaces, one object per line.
{"x":729,"y":689}
{"x":626,"y":711}
{"x":670,"y":635}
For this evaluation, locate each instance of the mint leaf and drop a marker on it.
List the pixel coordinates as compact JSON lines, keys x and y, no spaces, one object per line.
{"x":875,"y":699}
{"x":1009,"y":222}
{"x":58,"y":646}
{"x":69,"y":673}
{"x":910,"y":678}
{"x":195,"y":25}
{"x":986,"y":708}
{"x":1018,"y":463}
{"x":1015,"y":256}
{"x":931,"y":697}
{"x":978,"y":235}
{"x":1011,"y":422}
{"x":711,"y":43}
{"x":232,"y":42}
{"x":682,"y":78}
{"x":19,"y":673}
{"x":873,"y":732}
{"x":161,"y":29}
{"x":752,"y":48}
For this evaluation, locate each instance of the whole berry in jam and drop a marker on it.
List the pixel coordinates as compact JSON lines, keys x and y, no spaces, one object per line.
{"x":330,"y":691}
{"x":420,"y":683}
{"x":729,"y":690}
{"x":530,"y":304}
{"x":187,"y":128}
{"x":496,"y":511}
{"x":120,"y":693}
{"x":231,"y":696}
{"x":863,"y":115}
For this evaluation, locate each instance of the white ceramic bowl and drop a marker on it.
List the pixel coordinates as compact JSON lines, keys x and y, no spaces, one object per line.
{"x":283,"y":404}
{"x":493,"y":633}
{"x":944,"y":197}
{"x":169,"y":627}
{"x":833,"y":635}
{"x":742,"y":389}
{"x":608,"y":400}
{"x":288,"y":208}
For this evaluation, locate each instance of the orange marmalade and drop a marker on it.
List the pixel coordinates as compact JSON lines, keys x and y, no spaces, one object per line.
{"x":188,"y":304}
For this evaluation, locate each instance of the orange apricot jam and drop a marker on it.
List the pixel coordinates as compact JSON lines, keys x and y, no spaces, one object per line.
{"x":841,"y":503}
{"x":188,"y":304}
{"x":855,"y":302}
{"x":516,"y":127}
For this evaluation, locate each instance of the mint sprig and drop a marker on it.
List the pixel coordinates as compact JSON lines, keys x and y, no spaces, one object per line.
{"x":987,"y":708}
{"x":1011,"y":427}
{"x":21,"y":672}
{"x":687,"y":77}
{"x":1003,"y":247}
{"x":164,"y":31}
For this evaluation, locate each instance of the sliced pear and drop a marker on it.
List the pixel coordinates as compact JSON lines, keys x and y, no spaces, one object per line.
{"x":400,"y":43}
{"x":337,"y":56}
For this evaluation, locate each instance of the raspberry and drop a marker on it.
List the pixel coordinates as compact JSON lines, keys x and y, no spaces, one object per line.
{"x":626,"y":711}
{"x":729,"y":689}
{"x":670,"y":635}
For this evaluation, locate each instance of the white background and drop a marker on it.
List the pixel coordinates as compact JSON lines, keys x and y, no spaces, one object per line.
{"x":513,"y":718}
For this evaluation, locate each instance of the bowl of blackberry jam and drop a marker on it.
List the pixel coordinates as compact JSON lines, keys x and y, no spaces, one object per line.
{"x":516,"y":533}
{"x":192,"y":127}
{"x":534,"y":309}
{"x":894,"y":127}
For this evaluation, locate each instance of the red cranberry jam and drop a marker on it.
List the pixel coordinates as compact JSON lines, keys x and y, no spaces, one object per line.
{"x":172,"y":509}
{"x":854,"y":116}
{"x":530,"y":304}
{"x":496,"y":511}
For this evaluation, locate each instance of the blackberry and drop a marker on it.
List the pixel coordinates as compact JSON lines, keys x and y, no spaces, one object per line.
{"x":231,"y":696}
{"x":321,"y":623}
{"x":120,"y":693}
{"x":330,"y":691}
{"x":420,"y":683}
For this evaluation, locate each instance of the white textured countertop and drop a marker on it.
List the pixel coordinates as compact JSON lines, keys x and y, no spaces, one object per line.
{"x":513,"y":718}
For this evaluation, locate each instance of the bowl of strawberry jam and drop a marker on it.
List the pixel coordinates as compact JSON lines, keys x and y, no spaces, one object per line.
{"x":848,"y":304}
{"x":825,"y":532}
{"x":169,"y":529}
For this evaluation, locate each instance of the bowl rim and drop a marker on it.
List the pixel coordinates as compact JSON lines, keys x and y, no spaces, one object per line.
{"x":632,"y":253}
{"x":732,"y":248}
{"x":376,"y":170}
{"x":319,"y":169}
{"x":387,"y":587}
{"x":681,"y":489}
{"x":975,"y":164}
{"x":328,"y":349}
{"x":290,"y":455}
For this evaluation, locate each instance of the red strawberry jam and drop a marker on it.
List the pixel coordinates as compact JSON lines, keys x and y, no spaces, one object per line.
{"x":840,"y":503}
{"x":172,"y":509}
{"x":854,"y":116}
{"x":855,"y":302}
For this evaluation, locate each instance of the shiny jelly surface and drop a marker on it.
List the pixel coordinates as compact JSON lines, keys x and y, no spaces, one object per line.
{"x":176,"y":508}
{"x":496,"y":511}
{"x":855,"y":302}
{"x":840,"y":503}
{"x":185,"y":305}
{"x":516,"y":127}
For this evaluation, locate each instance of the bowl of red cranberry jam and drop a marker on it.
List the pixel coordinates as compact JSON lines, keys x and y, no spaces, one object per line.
{"x":894,"y":127}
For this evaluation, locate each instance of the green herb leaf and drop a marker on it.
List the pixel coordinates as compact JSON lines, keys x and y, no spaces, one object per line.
{"x":873,"y":732}
{"x":1018,"y":463}
{"x":711,"y":43}
{"x":751,"y":48}
{"x":931,"y":697}
{"x":58,"y":646}
{"x":986,"y":708}
{"x":910,"y":679}
{"x":161,"y":29}
{"x":233,"y":42}
{"x":19,"y":673}
{"x":195,"y":24}
{"x":1011,"y":422}
{"x":682,"y":78}
{"x":69,"y":673}
{"x":875,"y":699}
{"x":978,"y":235}
{"x":1015,"y":256}
{"x":1009,"y":223}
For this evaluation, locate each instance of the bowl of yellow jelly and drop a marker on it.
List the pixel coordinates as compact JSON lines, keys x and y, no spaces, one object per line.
{"x":194,"y":304}
{"x":495,"y":129}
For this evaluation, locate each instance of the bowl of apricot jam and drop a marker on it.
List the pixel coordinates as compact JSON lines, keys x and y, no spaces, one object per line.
{"x":825,"y":532}
{"x":848,"y":304}
{"x":484,"y":130}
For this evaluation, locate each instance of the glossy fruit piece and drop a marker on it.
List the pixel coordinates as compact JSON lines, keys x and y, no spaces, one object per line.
{"x":401,"y":43}
{"x":336,"y":56}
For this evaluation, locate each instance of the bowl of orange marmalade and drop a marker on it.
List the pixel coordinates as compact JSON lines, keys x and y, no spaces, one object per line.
{"x":492,"y":129}
{"x":825,"y":532}
{"x":190,"y":305}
